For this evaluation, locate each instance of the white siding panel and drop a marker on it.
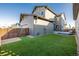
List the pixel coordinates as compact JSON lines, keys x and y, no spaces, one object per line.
{"x":49,"y":15}
{"x":77,"y":25}
{"x":42,"y":22}
{"x":39,"y":30}
{"x":63,"y":21}
{"x":43,"y":27}
{"x":39,"y":10}
{"x":50,"y":28}
{"x":77,"y":31}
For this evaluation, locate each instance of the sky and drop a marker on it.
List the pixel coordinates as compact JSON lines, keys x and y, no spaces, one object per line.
{"x":10,"y":12}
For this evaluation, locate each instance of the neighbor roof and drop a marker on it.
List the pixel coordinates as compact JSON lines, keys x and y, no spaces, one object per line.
{"x":45,"y":7}
{"x":42,"y":18}
{"x":58,"y":15}
{"x":75,"y":10}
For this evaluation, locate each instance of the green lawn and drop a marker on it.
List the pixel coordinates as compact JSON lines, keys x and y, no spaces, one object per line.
{"x":47,"y":45}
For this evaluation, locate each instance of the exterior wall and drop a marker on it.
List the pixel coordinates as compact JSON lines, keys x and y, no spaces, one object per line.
{"x":49,"y":15}
{"x":60,"y":22}
{"x":77,"y":31}
{"x":37,"y":26}
{"x":41,"y":22}
{"x":77,"y":26}
{"x":42,"y":27}
{"x":40,"y":11}
{"x":50,"y":28}
{"x":46,"y":13}
{"x":63,"y":22}
{"x":27,"y":22}
{"x":57,"y":23}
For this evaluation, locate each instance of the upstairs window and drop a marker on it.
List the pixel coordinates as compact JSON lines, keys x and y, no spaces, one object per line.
{"x":42,"y":13}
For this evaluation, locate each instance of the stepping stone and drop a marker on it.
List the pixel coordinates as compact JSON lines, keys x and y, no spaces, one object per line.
{"x":13,"y":53}
{"x":2,"y":51}
{"x":9,"y":55}
{"x":10,"y":51}
{"x":6,"y":53}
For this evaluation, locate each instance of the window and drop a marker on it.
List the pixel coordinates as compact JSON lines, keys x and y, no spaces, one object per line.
{"x":42,"y":13}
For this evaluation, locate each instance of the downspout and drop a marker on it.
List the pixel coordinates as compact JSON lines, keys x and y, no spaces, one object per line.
{"x":33,"y":33}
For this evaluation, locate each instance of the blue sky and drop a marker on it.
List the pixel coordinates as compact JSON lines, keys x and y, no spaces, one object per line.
{"x":10,"y":13}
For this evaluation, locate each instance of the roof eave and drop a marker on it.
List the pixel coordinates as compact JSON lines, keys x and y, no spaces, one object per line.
{"x":43,"y":6}
{"x":75,"y":10}
{"x":22,"y":15}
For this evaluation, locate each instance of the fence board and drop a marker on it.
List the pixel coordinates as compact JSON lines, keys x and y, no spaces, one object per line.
{"x":13,"y":32}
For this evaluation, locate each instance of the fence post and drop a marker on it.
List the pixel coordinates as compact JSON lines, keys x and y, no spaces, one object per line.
{"x":0,"y":40}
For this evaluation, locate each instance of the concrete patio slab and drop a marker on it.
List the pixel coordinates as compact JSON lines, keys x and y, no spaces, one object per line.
{"x":60,"y":32}
{"x":6,"y":41}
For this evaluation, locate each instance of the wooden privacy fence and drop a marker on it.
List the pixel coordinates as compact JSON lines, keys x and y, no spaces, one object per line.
{"x":13,"y":32}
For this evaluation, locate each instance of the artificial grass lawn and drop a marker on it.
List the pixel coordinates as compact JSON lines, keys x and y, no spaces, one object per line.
{"x":46,"y":45}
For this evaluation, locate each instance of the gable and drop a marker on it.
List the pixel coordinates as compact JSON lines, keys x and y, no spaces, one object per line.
{"x":44,"y":7}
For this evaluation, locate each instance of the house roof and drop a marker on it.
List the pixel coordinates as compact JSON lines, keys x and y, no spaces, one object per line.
{"x":58,"y":15}
{"x":75,"y":10}
{"x":44,"y":7}
{"x":42,"y":18}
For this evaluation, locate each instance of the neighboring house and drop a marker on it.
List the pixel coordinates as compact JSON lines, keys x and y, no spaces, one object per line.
{"x":42,"y":21}
{"x":76,"y":17}
{"x":15,"y":25}
{"x":60,"y":22}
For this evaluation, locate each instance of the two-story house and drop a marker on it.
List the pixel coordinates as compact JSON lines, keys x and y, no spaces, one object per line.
{"x":60,"y":22}
{"x":41,"y":21}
